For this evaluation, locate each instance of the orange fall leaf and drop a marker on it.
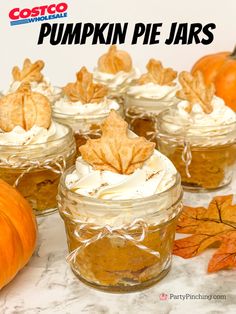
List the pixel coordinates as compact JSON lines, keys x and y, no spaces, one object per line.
{"x":213,"y":225}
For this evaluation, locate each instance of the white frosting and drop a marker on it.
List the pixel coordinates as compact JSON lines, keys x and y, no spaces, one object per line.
{"x":44,"y":87}
{"x":115,"y":81}
{"x":156,"y":175}
{"x":199,"y":123}
{"x":36,"y":135}
{"x":153,"y":91}
{"x":65,"y":106}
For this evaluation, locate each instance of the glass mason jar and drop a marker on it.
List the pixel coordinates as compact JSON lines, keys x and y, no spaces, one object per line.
{"x":204,"y":161}
{"x":84,"y":126}
{"x":120,"y":246}
{"x":118,"y":93}
{"x":117,"y":86}
{"x":35,"y":169}
{"x":141,"y":114}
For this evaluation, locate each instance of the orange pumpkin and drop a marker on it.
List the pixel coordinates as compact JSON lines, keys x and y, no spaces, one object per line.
{"x":220,"y":68}
{"x":17,"y":232}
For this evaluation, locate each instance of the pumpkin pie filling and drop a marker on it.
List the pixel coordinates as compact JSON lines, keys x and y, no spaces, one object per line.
{"x":199,"y":135}
{"x":33,"y":148}
{"x":117,"y":240}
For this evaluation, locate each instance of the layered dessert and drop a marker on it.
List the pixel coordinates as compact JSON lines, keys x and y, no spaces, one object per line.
{"x":33,"y":148}
{"x":31,"y":72}
{"x":120,"y":205}
{"x":116,"y":71}
{"x":152,"y":93}
{"x":199,"y":135}
{"x":83,"y":105}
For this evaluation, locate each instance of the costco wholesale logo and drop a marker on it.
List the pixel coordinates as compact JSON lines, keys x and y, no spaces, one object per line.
{"x":38,"y":14}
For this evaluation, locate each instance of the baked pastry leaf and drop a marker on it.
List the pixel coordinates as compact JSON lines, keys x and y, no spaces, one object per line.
{"x":115,"y":151}
{"x":157,"y":74}
{"x":31,"y":72}
{"x":84,"y":89}
{"x":194,"y":90}
{"x":115,"y":61}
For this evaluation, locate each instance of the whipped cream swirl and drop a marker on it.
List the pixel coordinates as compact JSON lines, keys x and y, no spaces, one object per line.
{"x":153,"y":91}
{"x":221,"y":120}
{"x":36,"y":135}
{"x":156,"y":175}
{"x":119,"y":81}
{"x":45,"y":88}
{"x":65,"y":106}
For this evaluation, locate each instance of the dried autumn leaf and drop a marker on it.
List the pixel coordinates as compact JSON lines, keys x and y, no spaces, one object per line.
{"x":157,"y":74}
{"x":194,"y":90}
{"x":31,"y":72}
{"x":213,"y":225}
{"x":225,"y":256}
{"x":84,"y":89}
{"x":115,"y":151}
{"x":115,"y":61}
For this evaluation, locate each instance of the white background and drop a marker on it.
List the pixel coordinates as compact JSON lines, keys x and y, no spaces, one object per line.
{"x":18,"y":42}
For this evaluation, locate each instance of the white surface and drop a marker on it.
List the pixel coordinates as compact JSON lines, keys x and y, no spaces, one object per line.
{"x":47,"y":285}
{"x":62,"y":62}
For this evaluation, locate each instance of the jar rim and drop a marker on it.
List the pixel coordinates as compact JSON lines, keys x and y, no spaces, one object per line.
{"x":151,"y":100}
{"x":139,"y":202}
{"x":78,"y":116}
{"x":163,"y":114}
{"x":34,"y":145}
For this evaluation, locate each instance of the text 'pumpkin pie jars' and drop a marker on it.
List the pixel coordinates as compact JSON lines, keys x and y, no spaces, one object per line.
{"x":199,"y":135}
{"x":83,"y":106}
{"x":120,"y":206}
{"x":115,"y":70}
{"x":31,"y":73}
{"x":34,"y":150}
{"x":152,"y":93}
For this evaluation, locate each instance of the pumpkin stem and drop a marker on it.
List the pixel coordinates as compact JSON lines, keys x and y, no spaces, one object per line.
{"x":233,"y":54}
{"x":24,"y":87}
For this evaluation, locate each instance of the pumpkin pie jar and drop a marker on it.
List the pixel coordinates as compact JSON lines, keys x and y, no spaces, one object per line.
{"x":152,"y":93}
{"x":31,"y":72}
{"x":34,"y":149}
{"x":83,"y":106}
{"x":120,"y":226}
{"x":200,"y":141}
{"x":115,"y":70}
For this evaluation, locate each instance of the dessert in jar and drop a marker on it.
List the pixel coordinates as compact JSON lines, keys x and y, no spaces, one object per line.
{"x":199,"y":135}
{"x":34,"y":150}
{"x":31,"y":72}
{"x":83,"y":105}
{"x":116,"y":71}
{"x":120,"y":205}
{"x":152,"y":93}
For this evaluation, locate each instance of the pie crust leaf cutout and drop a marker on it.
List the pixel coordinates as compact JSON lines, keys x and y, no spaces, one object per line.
{"x":24,"y":108}
{"x":115,"y":61}
{"x":84,"y":89}
{"x":115,"y":151}
{"x":31,"y":72}
{"x":194,"y":90}
{"x":215,"y":225}
{"x":157,"y":74}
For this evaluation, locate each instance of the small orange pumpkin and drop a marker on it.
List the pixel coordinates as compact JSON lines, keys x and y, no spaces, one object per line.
{"x":220,"y":68}
{"x":17,"y":232}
